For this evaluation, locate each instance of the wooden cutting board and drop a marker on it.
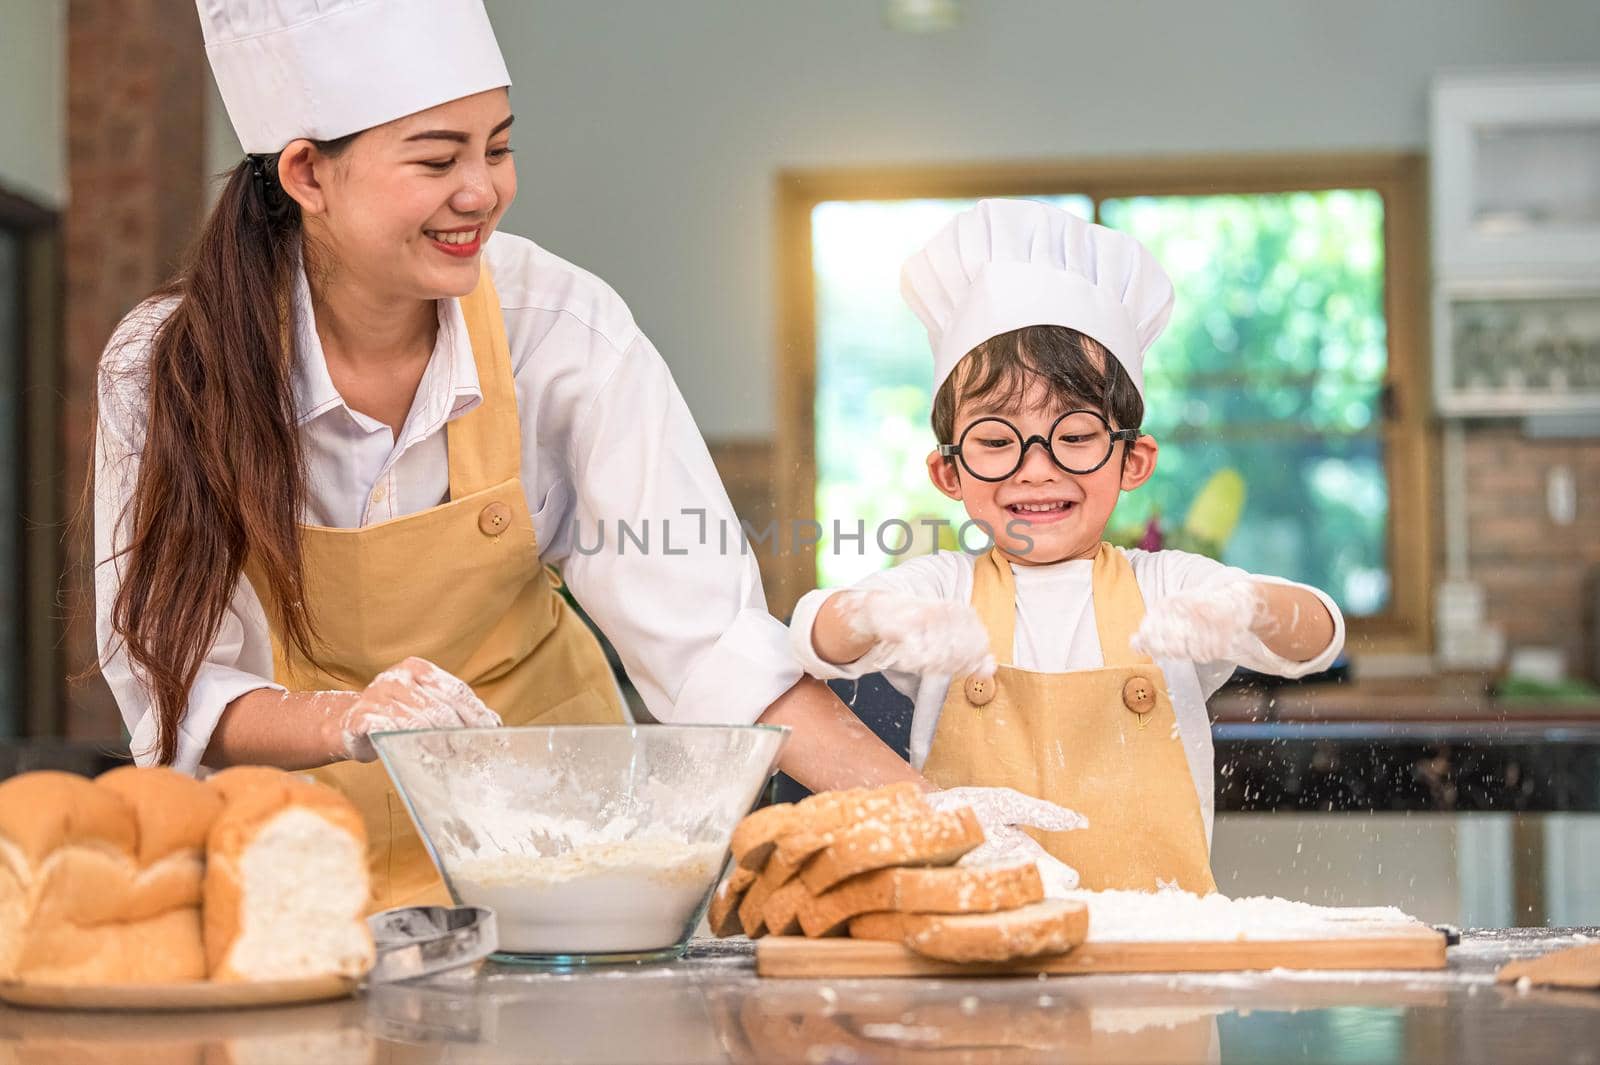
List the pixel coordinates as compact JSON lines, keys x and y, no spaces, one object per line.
{"x":1376,"y":946}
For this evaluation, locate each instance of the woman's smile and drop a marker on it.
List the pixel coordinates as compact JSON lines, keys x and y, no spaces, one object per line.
{"x":461,"y":243}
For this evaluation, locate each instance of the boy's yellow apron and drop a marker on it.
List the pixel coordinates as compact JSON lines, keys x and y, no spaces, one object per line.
{"x":1103,"y":742}
{"x":460,"y":585}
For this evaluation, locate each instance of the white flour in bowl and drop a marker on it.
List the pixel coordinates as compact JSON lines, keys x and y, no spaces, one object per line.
{"x":600,"y":897}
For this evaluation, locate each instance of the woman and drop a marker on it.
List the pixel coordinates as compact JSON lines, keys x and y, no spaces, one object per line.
{"x":335,"y":456}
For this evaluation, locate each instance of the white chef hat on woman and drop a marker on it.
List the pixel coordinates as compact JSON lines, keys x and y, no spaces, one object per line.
{"x":1006,"y":264}
{"x":323,"y":69}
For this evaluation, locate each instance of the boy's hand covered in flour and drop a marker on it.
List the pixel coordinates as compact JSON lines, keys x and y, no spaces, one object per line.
{"x":416,"y":694}
{"x":1215,"y":623}
{"x":1001,"y":812}
{"x":910,"y":634}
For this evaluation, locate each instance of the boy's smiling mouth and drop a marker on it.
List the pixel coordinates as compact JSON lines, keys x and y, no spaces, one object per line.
{"x":1042,"y":511}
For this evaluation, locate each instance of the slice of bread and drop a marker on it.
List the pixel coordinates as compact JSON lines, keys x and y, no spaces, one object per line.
{"x":754,"y":836}
{"x":286,"y":883}
{"x":740,"y":879}
{"x":781,"y":914}
{"x":1051,"y":927}
{"x":939,"y":839}
{"x":779,"y":869}
{"x":816,"y":816}
{"x":827,"y":813}
{"x":951,"y":889}
{"x":723,"y":913}
{"x":884,"y":925}
{"x":751,"y":918}
{"x":774,"y":876}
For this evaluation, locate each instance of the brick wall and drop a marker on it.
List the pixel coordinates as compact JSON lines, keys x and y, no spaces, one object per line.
{"x":1535,"y":572}
{"x":136,"y":98}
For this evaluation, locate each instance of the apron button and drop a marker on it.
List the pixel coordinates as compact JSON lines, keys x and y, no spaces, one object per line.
{"x":1139,"y":695}
{"x":494,"y":519}
{"x":980,"y":691}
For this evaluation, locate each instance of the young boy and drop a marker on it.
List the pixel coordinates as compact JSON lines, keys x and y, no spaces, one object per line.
{"x":1055,"y":663}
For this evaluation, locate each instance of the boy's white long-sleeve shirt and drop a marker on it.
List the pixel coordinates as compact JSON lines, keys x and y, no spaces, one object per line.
{"x":1056,"y":633}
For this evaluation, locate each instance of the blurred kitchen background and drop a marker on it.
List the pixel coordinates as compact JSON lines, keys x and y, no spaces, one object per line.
{"x":1383,"y":374}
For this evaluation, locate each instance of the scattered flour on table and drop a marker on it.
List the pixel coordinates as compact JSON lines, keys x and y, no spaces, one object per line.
{"x":1178,"y":916}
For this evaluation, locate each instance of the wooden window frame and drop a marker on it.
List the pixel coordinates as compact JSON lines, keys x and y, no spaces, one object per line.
{"x":37,"y":439}
{"x":1409,"y":438}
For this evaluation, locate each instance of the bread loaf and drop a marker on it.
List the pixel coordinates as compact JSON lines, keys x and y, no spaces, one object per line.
{"x":174,"y":814}
{"x":163,"y":949}
{"x":286,"y":883}
{"x":113,"y":900}
{"x":69,"y":848}
{"x":103,"y":882}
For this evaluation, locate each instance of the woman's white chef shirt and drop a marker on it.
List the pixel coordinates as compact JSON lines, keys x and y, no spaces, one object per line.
{"x":1056,"y":632}
{"x":606,"y":436}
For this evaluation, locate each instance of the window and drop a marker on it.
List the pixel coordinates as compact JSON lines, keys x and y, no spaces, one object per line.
{"x":30,"y":617}
{"x":1286,"y":381}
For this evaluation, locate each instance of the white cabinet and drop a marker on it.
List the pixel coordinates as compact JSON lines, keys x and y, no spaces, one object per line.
{"x":1516,"y":242}
{"x":1516,"y":173}
{"x":1517,"y":347}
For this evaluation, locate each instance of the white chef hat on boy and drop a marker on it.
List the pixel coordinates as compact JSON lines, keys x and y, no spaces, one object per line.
{"x":327,"y":68}
{"x":1006,"y":264}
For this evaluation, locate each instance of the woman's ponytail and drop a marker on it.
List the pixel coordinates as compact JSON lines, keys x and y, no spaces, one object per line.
{"x":221,"y":475}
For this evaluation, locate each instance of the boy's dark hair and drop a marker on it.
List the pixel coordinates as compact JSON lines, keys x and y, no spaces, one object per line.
{"x":1077,"y":370}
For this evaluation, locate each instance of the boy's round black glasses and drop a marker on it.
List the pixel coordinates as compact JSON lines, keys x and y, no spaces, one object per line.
{"x":1080,"y":441}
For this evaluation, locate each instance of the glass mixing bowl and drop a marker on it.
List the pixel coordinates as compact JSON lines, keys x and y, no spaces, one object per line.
{"x":591,"y":843}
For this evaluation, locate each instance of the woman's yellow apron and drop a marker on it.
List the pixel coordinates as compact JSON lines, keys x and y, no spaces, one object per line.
{"x":1103,"y":742}
{"x":460,"y":585}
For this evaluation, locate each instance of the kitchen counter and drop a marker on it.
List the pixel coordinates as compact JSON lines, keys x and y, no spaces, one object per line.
{"x":1463,"y":699}
{"x":711,"y":1007}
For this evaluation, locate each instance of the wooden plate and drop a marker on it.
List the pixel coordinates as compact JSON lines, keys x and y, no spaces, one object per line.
{"x":199,"y":995}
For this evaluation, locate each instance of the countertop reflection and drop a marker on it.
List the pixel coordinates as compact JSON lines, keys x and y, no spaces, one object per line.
{"x":711,"y":1007}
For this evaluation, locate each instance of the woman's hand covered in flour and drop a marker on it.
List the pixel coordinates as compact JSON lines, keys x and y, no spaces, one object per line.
{"x":1216,"y":623}
{"x":923,"y":636}
{"x":1001,"y":812}
{"x":416,"y":694}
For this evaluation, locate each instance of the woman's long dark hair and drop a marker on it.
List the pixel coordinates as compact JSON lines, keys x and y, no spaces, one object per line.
{"x":221,"y":475}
